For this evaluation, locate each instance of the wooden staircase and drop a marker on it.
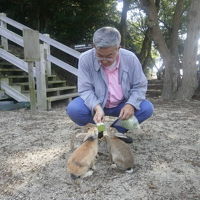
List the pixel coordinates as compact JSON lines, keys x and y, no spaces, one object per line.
{"x":14,"y":83}
{"x":34,"y":64}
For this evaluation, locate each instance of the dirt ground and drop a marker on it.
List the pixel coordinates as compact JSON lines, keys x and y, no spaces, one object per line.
{"x":34,"y":150}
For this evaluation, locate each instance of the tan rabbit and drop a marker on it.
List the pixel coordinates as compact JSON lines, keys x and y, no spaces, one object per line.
{"x":83,"y":158}
{"x":120,"y":152}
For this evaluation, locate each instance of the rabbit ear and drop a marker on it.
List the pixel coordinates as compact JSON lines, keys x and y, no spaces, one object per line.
{"x":92,"y":130}
{"x":87,"y":127}
{"x":81,"y":134}
{"x":91,"y":137}
{"x":86,"y":137}
{"x":120,"y":135}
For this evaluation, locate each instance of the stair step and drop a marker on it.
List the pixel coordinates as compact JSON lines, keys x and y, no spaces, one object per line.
{"x":49,"y":82}
{"x":155,"y":86}
{"x":52,"y":76}
{"x":22,"y":76}
{"x":15,"y":76}
{"x":10,"y":70}
{"x":56,"y":81}
{"x":54,"y":89}
{"x":5,"y":63}
{"x":154,"y":93}
{"x":22,"y":84}
{"x":61,"y":97}
{"x":155,"y":81}
{"x":154,"y":90}
{"x":60,"y":88}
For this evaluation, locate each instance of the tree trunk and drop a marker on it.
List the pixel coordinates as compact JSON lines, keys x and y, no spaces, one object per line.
{"x":157,"y":36}
{"x":189,"y":81}
{"x":170,"y":60}
{"x":146,"y":49}
{"x":123,"y":24}
{"x":173,"y":45}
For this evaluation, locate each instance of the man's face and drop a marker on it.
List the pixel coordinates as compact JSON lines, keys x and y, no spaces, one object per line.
{"x":107,"y":56}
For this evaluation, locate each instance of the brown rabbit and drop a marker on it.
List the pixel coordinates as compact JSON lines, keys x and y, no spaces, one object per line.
{"x":120,"y":152}
{"x":83,"y":158}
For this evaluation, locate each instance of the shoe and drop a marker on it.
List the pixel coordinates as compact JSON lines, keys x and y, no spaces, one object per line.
{"x":127,"y":139}
{"x":100,"y":134}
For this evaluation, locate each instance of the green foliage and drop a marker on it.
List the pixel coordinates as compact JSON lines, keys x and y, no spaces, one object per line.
{"x":78,"y":21}
{"x":166,"y":13}
{"x":136,"y":30}
{"x":69,"y":21}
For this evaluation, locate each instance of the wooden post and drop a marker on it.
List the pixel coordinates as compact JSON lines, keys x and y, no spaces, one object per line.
{"x":4,"y":41}
{"x":46,"y":53}
{"x":31,"y":55}
{"x":41,"y":81}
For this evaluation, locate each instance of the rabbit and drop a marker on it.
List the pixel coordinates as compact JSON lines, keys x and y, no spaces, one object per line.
{"x":120,"y":152}
{"x":83,"y":158}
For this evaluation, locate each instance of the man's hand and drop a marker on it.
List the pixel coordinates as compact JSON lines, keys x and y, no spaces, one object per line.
{"x":126,"y":112}
{"x":99,"y":114}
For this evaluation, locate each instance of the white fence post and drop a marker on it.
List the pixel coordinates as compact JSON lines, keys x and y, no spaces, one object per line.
{"x":31,"y":55}
{"x":46,"y":53}
{"x":41,"y":81}
{"x":4,"y":41}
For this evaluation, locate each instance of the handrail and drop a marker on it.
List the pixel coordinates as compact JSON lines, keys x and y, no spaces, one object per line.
{"x":43,"y":38}
{"x":62,"y":64}
{"x":59,"y":46}
{"x":15,"y":61}
{"x":13,"y":23}
{"x":12,"y":36}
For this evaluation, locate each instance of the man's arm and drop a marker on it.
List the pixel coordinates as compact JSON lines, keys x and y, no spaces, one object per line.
{"x":85,"y":86}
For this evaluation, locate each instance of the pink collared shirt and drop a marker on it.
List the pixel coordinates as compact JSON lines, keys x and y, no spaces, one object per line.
{"x":115,"y":95}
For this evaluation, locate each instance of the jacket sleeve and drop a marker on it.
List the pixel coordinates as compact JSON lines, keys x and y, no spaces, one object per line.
{"x":85,"y":83}
{"x":138,"y":80}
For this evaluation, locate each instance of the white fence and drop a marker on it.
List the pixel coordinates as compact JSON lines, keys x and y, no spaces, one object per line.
{"x":45,"y":59}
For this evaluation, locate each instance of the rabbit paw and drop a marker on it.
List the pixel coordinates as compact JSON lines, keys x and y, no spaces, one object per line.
{"x":88,"y":173}
{"x":130,"y":171}
{"x":113,"y":166}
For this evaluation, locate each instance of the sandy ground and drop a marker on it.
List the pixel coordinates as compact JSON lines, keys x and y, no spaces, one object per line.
{"x":34,"y":150}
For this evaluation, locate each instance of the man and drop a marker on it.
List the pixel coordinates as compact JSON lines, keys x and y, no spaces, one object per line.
{"x":110,"y":82}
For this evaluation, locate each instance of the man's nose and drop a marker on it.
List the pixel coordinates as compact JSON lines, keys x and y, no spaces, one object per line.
{"x":104,"y":61}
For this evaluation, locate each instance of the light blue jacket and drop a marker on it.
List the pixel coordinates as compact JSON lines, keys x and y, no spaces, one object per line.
{"x":92,"y":82}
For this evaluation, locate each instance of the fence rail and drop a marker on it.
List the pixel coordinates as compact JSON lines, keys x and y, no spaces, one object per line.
{"x":45,"y":43}
{"x":42,"y":37}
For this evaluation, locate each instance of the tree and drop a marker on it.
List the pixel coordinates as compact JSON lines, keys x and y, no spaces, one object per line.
{"x":169,"y":46}
{"x":136,"y":34}
{"x":123,"y":23}
{"x":189,"y":81}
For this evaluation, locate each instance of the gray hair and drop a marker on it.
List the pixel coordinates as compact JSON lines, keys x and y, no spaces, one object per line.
{"x":106,"y":37}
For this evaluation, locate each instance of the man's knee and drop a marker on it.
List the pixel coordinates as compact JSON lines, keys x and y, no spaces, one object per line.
{"x":72,"y":108}
{"x":78,"y":112}
{"x":149,"y":109}
{"x":146,"y":111}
